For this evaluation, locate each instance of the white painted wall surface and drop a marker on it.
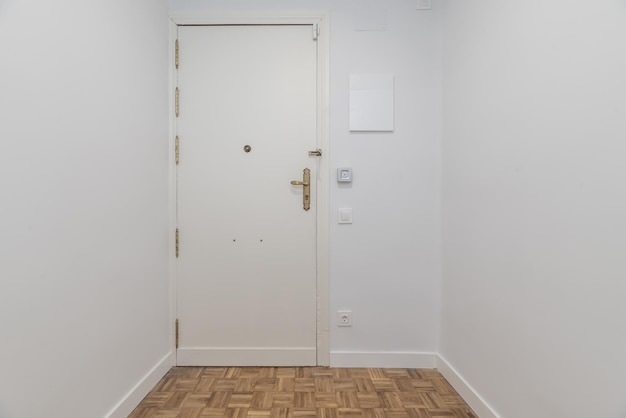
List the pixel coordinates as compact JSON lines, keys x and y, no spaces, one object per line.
{"x":534,"y":197}
{"x":84,"y":208}
{"x":385,"y":267}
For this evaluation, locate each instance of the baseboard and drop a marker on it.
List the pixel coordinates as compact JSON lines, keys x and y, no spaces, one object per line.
{"x":302,"y":357}
{"x":242,"y":357}
{"x":385,"y":359}
{"x":473,"y":399}
{"x":136,"y":395}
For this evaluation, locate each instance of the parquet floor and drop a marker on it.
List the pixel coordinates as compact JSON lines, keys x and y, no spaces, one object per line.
{"x":292,"y":392}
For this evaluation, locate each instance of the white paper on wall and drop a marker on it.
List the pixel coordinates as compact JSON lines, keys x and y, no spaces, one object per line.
{"x":371,"y":102}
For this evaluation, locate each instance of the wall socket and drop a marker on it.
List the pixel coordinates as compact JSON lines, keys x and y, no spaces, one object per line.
{"x":344,"y":318}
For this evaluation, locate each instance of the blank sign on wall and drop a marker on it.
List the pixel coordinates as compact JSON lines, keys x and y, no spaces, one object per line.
{"x":371,"y":102}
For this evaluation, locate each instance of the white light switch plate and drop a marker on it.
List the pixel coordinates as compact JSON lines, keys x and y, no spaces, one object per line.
{"x":344,"y":215}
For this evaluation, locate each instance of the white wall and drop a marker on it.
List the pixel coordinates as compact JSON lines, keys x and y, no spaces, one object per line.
{"x":385,"y":266}
{"x":84,"y":214}
{"x":534,"y":198}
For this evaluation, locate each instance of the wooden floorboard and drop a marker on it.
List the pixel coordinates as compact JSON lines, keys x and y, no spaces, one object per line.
{"x":292,"y":392}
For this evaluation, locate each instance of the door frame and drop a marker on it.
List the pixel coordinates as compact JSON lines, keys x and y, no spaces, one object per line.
{"x":323,"y":142}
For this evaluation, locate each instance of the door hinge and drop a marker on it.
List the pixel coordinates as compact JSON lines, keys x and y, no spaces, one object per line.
{"x":176,"y":102}
{"x":316,"y":31}
{"x":177,"y":150}
{"x":176,"y":53}
{"x":177,"y":333}
{"x":177,"y":242}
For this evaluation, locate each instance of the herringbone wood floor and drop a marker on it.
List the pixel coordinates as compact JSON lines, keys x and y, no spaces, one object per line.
{"x":277,"y":392}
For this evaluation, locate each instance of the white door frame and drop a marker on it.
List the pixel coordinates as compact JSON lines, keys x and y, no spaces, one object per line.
{"x":323,"y":143}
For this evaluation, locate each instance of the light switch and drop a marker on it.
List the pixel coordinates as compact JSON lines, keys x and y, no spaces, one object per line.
{"x":345,"y":215}
{"x":344,"y":175}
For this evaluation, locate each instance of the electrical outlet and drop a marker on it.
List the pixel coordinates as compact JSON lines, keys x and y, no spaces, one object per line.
{"x":344,"y":318}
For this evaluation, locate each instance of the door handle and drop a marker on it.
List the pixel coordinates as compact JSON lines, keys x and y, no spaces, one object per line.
{"x":306,"y":188}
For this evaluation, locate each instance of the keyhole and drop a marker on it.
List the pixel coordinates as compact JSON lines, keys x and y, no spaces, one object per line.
{"x":247,"y":148}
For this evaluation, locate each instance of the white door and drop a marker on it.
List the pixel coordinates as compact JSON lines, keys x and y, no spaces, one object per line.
{"x":246,"y":271}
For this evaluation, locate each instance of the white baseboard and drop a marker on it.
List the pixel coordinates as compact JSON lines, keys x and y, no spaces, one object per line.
{"x":136,"y":395}
{"x":302,"y":357}
{"x":242,"y":357}
{"x":473,"y":399}
{"x":383,"y":359}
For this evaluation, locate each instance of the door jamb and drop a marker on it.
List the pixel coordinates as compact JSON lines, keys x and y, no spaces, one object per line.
{"x":323,"y":142}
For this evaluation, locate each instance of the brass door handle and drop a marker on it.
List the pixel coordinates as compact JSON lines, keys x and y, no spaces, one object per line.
{"x":306,"y":188}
